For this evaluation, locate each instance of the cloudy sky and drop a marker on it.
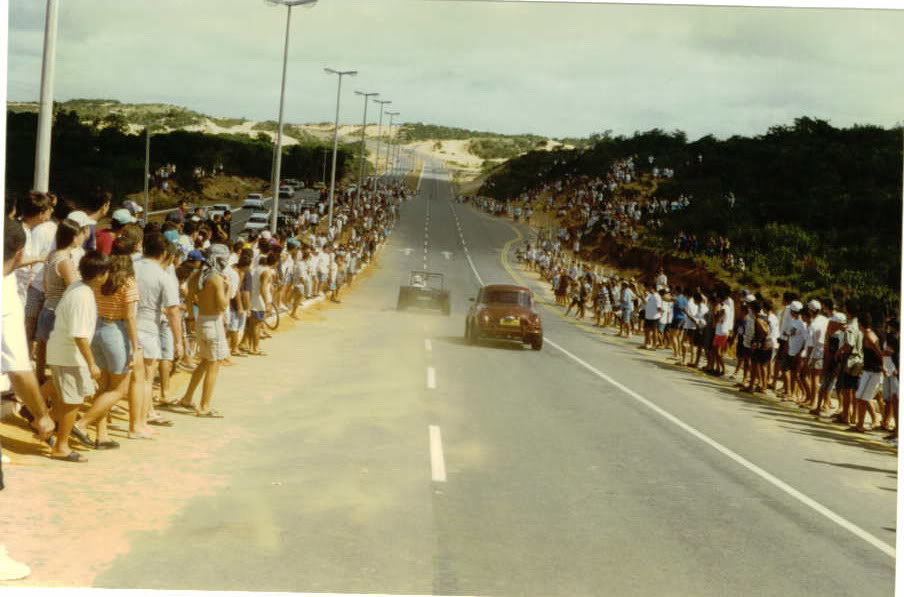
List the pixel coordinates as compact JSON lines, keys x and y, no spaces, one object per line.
{"x":547,"y":68}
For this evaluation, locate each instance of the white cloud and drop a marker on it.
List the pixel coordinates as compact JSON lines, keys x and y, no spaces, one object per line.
{"x":546,"y":68}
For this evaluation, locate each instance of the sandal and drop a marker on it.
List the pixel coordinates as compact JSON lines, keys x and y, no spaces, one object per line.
{"x":211,"y":414}
{"x":70,"y":457}
{"x":160,"y":422}
{"x":106,"y":445}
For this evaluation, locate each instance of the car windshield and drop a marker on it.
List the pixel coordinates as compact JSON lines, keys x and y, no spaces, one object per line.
{"x":507,"y":297}
{"x":258,"y":218}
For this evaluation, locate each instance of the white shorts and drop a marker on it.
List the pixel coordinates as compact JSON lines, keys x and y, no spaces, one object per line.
{"x":869,"y":385}
{"x":212,"y":344}
{"x":73,"y":384}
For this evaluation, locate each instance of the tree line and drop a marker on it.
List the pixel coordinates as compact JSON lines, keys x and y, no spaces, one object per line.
{"x":816,"y":207}
{"x":86,"y":157}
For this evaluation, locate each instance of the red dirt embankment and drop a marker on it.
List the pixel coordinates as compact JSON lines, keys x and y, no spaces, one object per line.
{"x":681,"y":271}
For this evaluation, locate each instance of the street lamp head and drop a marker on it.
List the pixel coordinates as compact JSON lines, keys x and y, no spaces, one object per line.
{"x":292,"y":2}
{"x":366,"y":95}
{"x":383,"y":102}
{"x":331,"y":71}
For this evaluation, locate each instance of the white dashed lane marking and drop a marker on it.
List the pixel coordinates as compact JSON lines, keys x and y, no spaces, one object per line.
{"x":437,"y":463}
{"x":431,"y":378}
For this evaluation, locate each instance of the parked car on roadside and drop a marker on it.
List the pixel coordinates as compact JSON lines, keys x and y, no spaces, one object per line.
{"x":218,"y":209}
{"x":258,"y":221}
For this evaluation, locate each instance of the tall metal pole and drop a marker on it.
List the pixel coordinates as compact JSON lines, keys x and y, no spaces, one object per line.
{"x":147,"y":171}
{"x":379,"y":140}
{"x":392,"y":116}
{"x":366,"y":96}
{"x":277,"y":160}
{"x":45,"y":114}
{"x":340,"y":74}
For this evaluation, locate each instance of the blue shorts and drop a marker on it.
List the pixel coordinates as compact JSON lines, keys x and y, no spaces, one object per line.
{"x":626,"y":315}
{"x":662,"y":327}
{"x":111,"y":347}
{"x":234,"y":321}
{"x":257,"y":315}
{"x":45,"y":324}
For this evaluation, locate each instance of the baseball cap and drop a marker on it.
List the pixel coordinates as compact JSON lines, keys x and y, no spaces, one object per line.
{"x":796,"y":306}
{"x":123,"y":216}
{"x":171,"y":235}
{"x":839,"y":317}
{"x":195,"y":255}
{"x":814,"y":305}
{"x":265,"y":234}
{"x":749,"y":298}
{"x":174,"y":216}
{"x":293,"y":242}
{"x":81,"y":218}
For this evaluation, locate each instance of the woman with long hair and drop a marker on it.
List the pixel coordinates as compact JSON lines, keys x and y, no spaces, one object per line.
{"x":115,"y":345}
{"x":59,"y":272}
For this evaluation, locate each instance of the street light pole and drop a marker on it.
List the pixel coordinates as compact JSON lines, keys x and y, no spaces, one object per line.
{"x":45,"y":114}
{"x":363,"y":146}
{"x":340,"y":74}
{"x":392,"y":116}
{"x":277,"y":159}
{"x":147,"y":170}
{"x":379,"y":140}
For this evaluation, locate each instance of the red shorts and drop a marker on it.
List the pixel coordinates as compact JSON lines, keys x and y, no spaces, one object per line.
{"x":720,"y":341}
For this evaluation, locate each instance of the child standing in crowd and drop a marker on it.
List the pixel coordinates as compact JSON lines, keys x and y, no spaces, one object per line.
{"x":72,"y":364}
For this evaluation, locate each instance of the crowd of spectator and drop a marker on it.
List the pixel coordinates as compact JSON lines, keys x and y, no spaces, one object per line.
{"x":93,"y":315}
{"x":825,"y":354}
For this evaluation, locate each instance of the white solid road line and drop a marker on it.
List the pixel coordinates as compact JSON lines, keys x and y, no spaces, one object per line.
{"x":437,"y":464}
{"x":808,"y":501}
{"x":804,"y":499}
{"x":428,"y":345}
{"x":431,"y":377}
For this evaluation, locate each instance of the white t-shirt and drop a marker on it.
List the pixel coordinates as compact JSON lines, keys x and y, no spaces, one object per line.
{"x":723,"y":328}
{"x":653,"y":306}
{"x":691,"y":311}
{"x":232,"y":281}
{"x":798,"y":331}
{"x":43,"y":241}
{"x":15,"y":346}
{"x":156,"y":291}
{"x":76,"y":317}
{"x":816,"y":339}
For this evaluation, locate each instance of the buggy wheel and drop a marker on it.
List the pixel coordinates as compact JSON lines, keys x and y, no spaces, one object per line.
{"x":271,"y":318}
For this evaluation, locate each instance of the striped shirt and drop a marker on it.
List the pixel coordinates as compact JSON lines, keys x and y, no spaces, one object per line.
{"x":115,"y":306}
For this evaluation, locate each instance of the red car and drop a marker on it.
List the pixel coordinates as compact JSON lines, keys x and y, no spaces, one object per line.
{"x":504,"y":312}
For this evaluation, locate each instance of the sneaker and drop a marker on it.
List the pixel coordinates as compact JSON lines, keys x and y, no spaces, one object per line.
{"x":10,"y":569}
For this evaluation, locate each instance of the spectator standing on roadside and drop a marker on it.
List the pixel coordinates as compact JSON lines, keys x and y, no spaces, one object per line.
{"x":207,"y":289}
{"x":626,"y":302}
{"x":652,"y":314}
{"x":59,"y":272}
{"x":36,"y":210}
{"x":115,"y":343}
{"x":815,"y":351}
{"x":69,"y":354}
{"x":15,"y":362}
{"x":158,"y":296}
{"x":870,"y":377}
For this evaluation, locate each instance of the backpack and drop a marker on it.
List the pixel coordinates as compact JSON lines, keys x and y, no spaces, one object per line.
{"x":854,"y":364}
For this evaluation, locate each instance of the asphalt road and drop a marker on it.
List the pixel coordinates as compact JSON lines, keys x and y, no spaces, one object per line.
{"x":240,"y":216}
{"x":373,"y":451}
